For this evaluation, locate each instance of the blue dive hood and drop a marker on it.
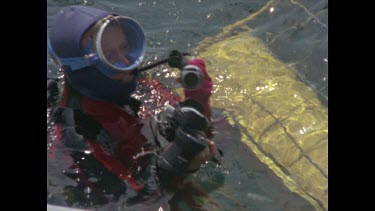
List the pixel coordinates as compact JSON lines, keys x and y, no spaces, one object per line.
{"x":68,"y":27}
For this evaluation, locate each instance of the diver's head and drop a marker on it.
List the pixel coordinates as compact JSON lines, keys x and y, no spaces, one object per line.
{"x":98,"y":51}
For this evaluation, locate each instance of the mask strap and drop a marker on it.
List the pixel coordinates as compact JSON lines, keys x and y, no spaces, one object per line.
{"x":76,"y":63}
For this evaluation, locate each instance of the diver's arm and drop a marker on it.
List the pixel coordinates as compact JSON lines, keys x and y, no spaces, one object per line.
{"x":70,"y":138}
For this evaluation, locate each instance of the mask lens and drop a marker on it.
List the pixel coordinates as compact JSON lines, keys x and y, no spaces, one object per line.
{"x":121,"y":44}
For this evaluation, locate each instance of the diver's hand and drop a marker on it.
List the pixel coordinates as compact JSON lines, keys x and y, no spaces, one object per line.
{"x":205,"y":155}
{"x":176,"y":59}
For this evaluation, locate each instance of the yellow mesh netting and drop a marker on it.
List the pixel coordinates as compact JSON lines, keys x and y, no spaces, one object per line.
{"x":281,"y":118}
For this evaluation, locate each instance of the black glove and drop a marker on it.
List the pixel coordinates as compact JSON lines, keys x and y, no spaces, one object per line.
{"x":176,"y":59}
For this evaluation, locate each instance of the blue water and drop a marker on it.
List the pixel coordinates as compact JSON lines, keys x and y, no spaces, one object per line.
{"x":241,"y":184}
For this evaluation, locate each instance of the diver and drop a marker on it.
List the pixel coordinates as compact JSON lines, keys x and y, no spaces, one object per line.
{"x":96,"y":115}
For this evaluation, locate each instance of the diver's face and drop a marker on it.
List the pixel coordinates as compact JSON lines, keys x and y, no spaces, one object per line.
{"x":115,"y":48}
{"x":115,"y":45}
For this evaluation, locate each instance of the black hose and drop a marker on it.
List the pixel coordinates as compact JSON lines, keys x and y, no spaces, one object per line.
{"x":154,"y":64}
{"x":168,"y":59}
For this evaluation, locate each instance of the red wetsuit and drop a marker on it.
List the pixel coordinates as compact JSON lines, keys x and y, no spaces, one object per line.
{"x":125,"y":129}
